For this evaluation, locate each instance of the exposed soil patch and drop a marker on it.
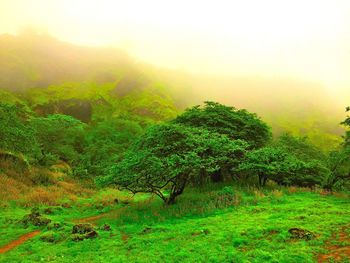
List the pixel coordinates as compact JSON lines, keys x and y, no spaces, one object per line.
{"x":90,"y":219}
{"x":337,"y":253}
{"x":18,"y":241}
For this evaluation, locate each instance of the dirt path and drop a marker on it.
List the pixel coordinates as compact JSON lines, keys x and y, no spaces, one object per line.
{"x":19,"y":241}
{"x":91,"y":219}
{"x":337,"y":253}
{"x":25,"y":237}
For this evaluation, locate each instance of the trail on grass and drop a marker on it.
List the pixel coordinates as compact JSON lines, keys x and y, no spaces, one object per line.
{"x":337,"y":253}
{"x":19,"y":241}
{"x":25,"y":237}
{"x":91,"y":219}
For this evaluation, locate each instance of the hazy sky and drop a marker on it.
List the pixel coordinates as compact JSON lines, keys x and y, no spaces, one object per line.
{"x":303,"y":39}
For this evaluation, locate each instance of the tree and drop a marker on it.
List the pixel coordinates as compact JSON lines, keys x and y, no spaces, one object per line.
{"x":60,"y":136}
{"x":264,"y":162}
{"x":16,"y":134}
{"x":236,"y":124}
{"x":346,"y":123}
{"x":168,"y":156}
{"x":276,"y":164}
{"x":339,"y":161}
{"x":339,"y":166}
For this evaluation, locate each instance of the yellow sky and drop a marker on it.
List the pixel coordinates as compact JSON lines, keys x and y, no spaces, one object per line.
{"x":304,"y":39}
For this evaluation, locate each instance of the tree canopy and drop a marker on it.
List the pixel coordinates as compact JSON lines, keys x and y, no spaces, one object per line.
{"x":236,"y":124}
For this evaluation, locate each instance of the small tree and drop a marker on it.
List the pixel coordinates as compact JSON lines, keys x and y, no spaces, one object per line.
{"x":168,"y":156}
{"x":264,"y":162}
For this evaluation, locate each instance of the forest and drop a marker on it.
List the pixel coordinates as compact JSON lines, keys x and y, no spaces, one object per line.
{"x":103,"y":159}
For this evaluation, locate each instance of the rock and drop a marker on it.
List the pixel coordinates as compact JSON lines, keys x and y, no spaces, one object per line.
{"x":80,"y":237}
{"x":83,"y":231}
{"x":106,"y":227}
{"x":91,"y":234}
{"x":48,"y":238}
{"x":35,"y":212}
{"x":66,"y":205}
{"x":298,"y":233}
{"x":125,"y":202}
{"x":147,"y":230}
{"x":54,"y":225}
{"x":35,"y":218}
{"x":204,"y":231}
{"x":82,"y":228}
{"x":48,"y":211}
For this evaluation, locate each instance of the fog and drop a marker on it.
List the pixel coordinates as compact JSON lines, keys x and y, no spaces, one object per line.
{"x":244,"y":53}
{"x":296,"y":40}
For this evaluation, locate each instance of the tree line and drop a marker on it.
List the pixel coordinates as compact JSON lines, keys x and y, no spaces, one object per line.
{"x":220,"y":143}
{"x":204,"y":144}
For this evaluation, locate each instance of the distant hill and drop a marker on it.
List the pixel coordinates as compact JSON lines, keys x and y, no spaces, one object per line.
{"x":58,"y":77}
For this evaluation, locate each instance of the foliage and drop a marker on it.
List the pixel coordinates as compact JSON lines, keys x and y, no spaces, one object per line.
{"x":346,"y":123}
{"x":300,"y":146}
{"x":16,"y":134}
{"x":105,"y":141}
{"x":169,"y":156}
{"x":60,"y":136}
{"x":284,"y":168}
{"x":339,"y":162}
{"x":236,"y":124}
{"x":339,"y":165}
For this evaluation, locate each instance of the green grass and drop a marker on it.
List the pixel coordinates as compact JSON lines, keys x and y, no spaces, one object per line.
{"x":225,"y":224}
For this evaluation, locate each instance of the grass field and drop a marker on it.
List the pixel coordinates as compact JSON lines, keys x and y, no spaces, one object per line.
{"x":221,"y":224}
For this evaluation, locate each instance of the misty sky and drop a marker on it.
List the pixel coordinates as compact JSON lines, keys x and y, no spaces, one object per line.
{"x":308,"y":39}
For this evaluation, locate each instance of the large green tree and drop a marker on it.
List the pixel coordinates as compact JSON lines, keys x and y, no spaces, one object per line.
{"x":169,"y":156}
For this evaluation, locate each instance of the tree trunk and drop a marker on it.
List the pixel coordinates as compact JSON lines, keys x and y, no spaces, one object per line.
{"x":262,"y":180}
{"x":216,"y":176}
{"x":176,"y":190}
